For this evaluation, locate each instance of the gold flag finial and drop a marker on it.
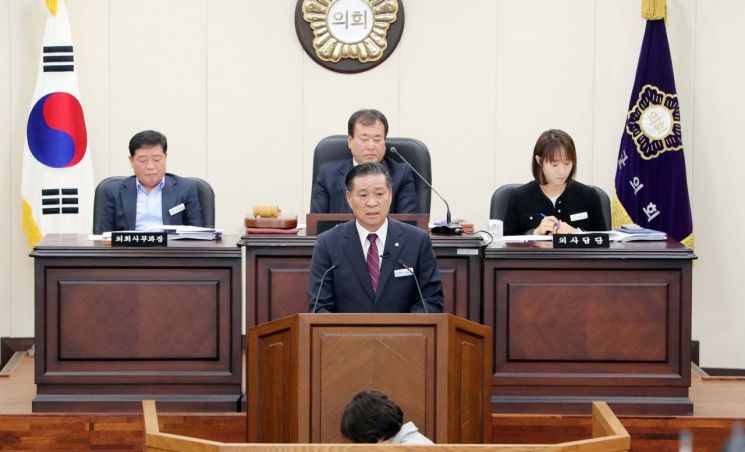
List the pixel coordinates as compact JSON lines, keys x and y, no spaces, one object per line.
{"x":52,"y":6}
{"x":654,"y":9}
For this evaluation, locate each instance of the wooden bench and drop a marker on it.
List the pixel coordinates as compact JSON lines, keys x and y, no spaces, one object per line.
{"x":608,"y":435}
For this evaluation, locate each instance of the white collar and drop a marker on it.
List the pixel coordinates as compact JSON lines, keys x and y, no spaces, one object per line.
{"x":382,"y":232}
{"x":409,"y":434}
{"x":160,"y":185}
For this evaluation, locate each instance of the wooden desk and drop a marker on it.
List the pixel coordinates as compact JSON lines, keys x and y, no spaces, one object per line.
{"x":115,"y":326}
{"x":572,"y":326}
{"x":277,"y":275}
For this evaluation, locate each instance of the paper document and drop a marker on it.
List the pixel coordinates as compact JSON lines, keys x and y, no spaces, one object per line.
{"x":619,"y":235}
{"x":179,"y":228}
{"x":525,"y":238}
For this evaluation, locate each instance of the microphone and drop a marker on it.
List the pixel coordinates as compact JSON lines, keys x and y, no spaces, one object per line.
{"x":447,"y":229}
{"x":416,"y":280}
{"x":320,"y":286}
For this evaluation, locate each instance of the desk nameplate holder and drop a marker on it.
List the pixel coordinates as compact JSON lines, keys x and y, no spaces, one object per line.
{"x":139,"y":239}
{"x":581,"y":240}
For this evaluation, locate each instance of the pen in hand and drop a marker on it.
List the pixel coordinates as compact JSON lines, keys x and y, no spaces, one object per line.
{"x":556,"y":225}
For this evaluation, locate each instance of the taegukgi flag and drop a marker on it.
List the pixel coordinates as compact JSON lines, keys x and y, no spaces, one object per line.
{"x":57,"y":178}
{"x":651,"y":186}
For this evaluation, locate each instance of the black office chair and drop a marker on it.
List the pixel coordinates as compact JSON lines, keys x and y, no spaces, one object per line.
{"x":501,"y":197}
{"x":205,"y":194}
{"x":499,"y":201}
{"x":206,"y":197}
{"x":335,"y":147}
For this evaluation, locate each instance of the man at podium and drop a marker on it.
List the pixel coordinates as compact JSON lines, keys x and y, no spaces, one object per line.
{"x":372,"y":263}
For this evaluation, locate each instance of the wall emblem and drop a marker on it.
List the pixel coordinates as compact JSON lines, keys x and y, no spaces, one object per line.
{"x":349,"y":35}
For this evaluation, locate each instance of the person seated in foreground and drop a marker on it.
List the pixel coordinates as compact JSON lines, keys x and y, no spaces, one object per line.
{"x":371,"y":417}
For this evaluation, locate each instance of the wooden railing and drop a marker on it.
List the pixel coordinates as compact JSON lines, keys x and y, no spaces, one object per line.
{"x":608,"y":435}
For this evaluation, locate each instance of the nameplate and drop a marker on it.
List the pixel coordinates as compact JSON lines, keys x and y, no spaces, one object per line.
{"x":581,"y":241}
{"x":139,"y":239}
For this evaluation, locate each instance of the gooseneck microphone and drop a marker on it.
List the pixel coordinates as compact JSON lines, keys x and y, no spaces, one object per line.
{"x":320,"y":286}
{"x":416,"y":280}
{"x":448,"y":229}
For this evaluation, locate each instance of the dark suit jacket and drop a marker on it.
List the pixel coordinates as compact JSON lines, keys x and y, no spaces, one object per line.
{"x":329,"y":190}
{"x":120,"y":204}
{"x":528,"y":202}
{"x":347,"y":288}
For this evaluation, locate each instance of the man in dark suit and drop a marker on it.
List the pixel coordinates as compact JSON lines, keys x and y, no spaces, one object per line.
{"x":151,"y":197}
{"x":376,"y":261}
{"x":367,"y":130}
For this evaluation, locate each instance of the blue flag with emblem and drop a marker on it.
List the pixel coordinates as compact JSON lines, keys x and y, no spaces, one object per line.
{"x":651,"y":185}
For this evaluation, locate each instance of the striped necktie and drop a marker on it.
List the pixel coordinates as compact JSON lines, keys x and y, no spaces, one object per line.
{"x":373,"y":261}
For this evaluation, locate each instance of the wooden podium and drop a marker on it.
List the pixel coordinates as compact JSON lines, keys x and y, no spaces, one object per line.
{"x":304,"y":369}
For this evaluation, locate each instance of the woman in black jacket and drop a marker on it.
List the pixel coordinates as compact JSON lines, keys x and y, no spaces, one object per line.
{"x":553,"y":203}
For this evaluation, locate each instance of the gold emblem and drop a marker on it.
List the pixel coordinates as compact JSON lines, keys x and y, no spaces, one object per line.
{"x":354,"y":29}
{"x":654,"y":123}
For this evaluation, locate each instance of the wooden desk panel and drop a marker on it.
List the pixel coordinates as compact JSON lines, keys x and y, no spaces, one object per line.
{"x":115,"y":326}
{"x":277,"y":275}
{"x":151,"y":315}
{"x":572,"y":326}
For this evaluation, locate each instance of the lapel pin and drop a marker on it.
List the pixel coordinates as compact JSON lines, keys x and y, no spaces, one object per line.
{"x":395,"y":244}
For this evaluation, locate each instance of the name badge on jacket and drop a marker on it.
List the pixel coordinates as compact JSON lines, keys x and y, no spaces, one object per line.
{"x":578,"y":216}
{"x":401,"y":272}
{"x":180,"y":208}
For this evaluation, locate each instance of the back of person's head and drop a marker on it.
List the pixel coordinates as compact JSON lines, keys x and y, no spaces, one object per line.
{"x":549,"y":148}
{"x":371,"y":417}
{"x":367,"y":169}
{"x":366,"y":117}
{"x":146,"y":139}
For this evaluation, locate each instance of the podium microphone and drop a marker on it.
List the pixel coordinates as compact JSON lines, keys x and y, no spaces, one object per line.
{"x":416,"y":280}
{"x":447,"y":229}
{"x":320,"y":286}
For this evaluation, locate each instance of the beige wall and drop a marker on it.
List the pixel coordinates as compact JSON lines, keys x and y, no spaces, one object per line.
{"x":719,"y":298}
{"x":6,"y":232}
{"x":476,"y":80}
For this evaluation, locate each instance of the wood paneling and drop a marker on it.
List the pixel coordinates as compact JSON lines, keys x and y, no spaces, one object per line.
{"x":428,"y":363}
{"x":274,"y":375}
{"x":102,"y":317}
{"x":467,"y":388}
{"x":571,"y":326}
{"x":718,"y":403}
{"x":126,"y":433}
{"x":115,"y":326}
{"x":599,"y":316}
{"x":401,"y":360}
{"x":277,"y":276}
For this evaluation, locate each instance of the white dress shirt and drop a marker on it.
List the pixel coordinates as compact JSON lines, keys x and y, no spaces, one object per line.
{"x":149,"y":206}
{"x":382,"y":232}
